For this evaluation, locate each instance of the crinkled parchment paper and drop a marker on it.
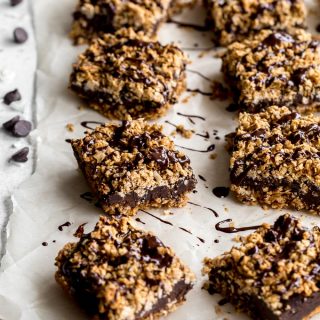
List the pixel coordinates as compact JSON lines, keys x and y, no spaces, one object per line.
{"x":52,"y":195}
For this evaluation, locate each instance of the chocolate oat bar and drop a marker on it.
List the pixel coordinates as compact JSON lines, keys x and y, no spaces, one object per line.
{"x":133,"y":166}
{"x":274,"y":274}
{"x":93,"y":18}
{"x":236,"y":20}
{"x":127,"y":74}
{"x":119,"y":272}
{"x":276,"y":160}
{"x":274,"y":68}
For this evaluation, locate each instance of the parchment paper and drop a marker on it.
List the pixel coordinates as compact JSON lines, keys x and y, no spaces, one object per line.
{"x":52,"y":195}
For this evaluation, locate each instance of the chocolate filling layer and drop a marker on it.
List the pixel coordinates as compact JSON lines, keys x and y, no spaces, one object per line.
{"x":300,"y":307}
{"x":161,"y":192}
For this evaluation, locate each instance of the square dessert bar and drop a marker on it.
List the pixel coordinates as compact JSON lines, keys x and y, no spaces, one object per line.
{"x":274,"y":274}
{"x":93,"y":18}
{"x":127,"y":74}
{"x":133,"y":166}
{"x":236,"y":20}
{"x":274,"y":68}
{"x":276,"y":160}
{"x":118,"y":272}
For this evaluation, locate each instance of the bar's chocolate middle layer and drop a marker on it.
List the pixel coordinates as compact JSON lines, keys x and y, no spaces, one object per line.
{"x":118,"y":272}
{"x":274,"y":274}
{"x":134,"y":166}
{"x":276,"y":160}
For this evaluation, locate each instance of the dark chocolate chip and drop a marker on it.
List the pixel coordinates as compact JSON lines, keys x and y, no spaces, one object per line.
{"x":15,"y":2}
{"x":20,"y":35}
{"x":12,"y":96}
{"x":10,"y":124}
{"x":17,"y":127}
{"x":21,"y":128}
{"x":21,"y":155}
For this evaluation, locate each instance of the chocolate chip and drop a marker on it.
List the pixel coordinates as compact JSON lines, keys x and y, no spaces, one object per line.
{"x":20,"y":35}
{"x":17,"y":127}
{"x":21,"y":155}
{"x":22,"y":128}
{"x":10,"y":124}
{"x":15,"y":2}
{"x":12,"y":96}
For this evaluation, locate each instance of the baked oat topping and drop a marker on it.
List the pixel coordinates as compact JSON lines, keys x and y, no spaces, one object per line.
{"x":274,"y":68}
{"x":236,"y":20}
{"x":119,"y":272}
{"x":127,"y":74}
{"x":94,"y":18}
{"x":133,"y":166}
{"x":276,"y":160}
{"x":181,"y":130}
{"x":274,"y":273}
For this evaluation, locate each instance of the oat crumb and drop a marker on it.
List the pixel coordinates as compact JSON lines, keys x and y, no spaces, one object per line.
{"x":70,"y":127}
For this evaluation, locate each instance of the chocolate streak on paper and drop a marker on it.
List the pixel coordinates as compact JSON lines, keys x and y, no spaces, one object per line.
{"x":233,"y":229}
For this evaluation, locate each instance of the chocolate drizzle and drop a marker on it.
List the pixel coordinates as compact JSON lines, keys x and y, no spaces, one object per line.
{"x":213,"y":211}
{"x":232,"y":229}
{"x":185,"y":230}
{"x":206,"y":135}
{"x":207,"y":208}
{"x":159,"y":219}
{"x":191,"y":116}
{"x":201,"y":240}
{"x":140,"y":221}
{"x":86,"y":124}
{"x":66,"y":224}
{"x":209,"y":149}
{"x":189,"y":25}
{"x":200,"y":75}
{"x":208,"y":94}
{"x":169,"y":223}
